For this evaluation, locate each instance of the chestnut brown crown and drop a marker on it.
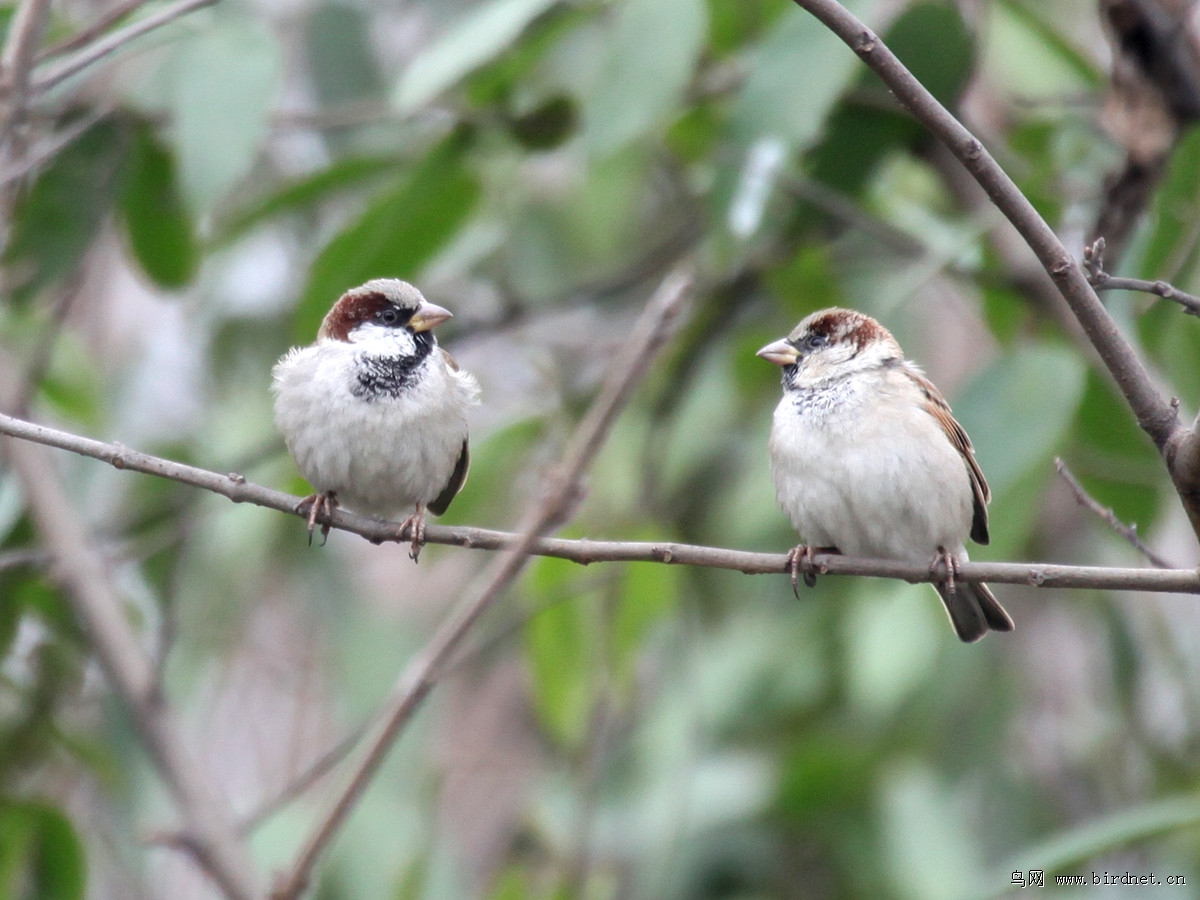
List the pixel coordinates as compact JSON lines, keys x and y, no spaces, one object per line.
{"x":389,"y":302}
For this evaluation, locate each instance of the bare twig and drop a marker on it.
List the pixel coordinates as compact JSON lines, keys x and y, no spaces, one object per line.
{"x":113,"y":42}
{"x":1093,"y":264}
{"x":1129,"y":532}
{"x":42,"y":352}
{"x":25,"y":558}
{"x":1158,"y":417}
{"x":208,"y":824}
{"x":565,"y":488}
{"x":314,"y":772}
{"x":585,"y":552}
{"x":35,"y":157}
{"x":24,"y":34}
{"x":90,"y":32}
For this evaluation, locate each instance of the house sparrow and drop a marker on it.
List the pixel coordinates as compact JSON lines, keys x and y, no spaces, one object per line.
{"x":374,"y":412}
{"x":868,"y":461}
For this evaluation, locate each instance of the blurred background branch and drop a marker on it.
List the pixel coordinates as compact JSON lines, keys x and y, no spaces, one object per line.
{"x":208,"y":834}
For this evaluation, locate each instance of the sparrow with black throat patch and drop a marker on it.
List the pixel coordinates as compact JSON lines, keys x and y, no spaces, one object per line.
{"x":868,"y":460}
{"x":374,"y":412}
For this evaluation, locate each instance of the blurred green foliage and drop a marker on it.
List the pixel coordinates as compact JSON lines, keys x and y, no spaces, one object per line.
{"x":623,"y":730}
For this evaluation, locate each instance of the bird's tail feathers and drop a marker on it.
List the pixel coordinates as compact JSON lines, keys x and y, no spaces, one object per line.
{"x":974,"y":610}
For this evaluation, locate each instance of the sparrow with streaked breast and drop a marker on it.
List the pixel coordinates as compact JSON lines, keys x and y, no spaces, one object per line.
{"x":868,"y":460}
{"x":374,"y":412}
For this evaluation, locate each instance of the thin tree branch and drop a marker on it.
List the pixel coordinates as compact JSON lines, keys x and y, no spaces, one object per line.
{"x":208,"y":824}
{"x":1128,"y":532}
{"x":111,"y":43}
{"x":1155,"y":415}
{"x":89,"y":33}
{"x":37,"y":156}
{"x":565,"y":489}
{"x":24,"y":34}
{"x":28,"y":558}
{"x":1093,"y":265}
{"x":1189,"y":302}
{"x":585,"y":552}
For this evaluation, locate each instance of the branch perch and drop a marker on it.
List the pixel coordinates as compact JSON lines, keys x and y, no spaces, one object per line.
{"x":585,"y":552}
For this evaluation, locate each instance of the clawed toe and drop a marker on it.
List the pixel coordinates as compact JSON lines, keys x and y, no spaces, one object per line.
{"x":800,"y":562}
{"x":414,"y":528}
{"x":950,"y":562}
{"x":312,"y":507}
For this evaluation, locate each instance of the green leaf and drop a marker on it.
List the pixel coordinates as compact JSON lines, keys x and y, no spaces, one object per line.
{"x":654,"y":47}
{"x":797,"y":51}
{"x":1030,"y":60}
{"x":995,"y":411}
{"x":338,"y":49}
{"x":559,"y":640}
{"x":10,"y":610}
{"x":1174,"y":210}
{"x":1066,"y":52}
{"x":301,"y":194}
{"x":827,"y":772}
{"x":1113,"y":457}
{"x":933,"y":42}
{"x":398,"y":233}
{"x":935,"y":45}
{"x":931,"y":851}
{"x":649,"y":595}
{"x":40,"y":854}
{"x":478,"y":37}
{"x":155,"y":217}
{"x":221,"y":88}
{"x":1076,"y":846}
{"x":547,"y":125}
{"x":57,"y":219}
{"x":734,"y":25}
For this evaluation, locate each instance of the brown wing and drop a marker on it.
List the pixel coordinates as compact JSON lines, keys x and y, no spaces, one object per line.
{"x":940,"y":410}
{"x":458,"y":478}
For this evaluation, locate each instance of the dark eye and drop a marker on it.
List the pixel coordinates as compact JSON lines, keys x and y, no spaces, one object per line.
{"x":815,"y":341}
{"x":389,"y":316}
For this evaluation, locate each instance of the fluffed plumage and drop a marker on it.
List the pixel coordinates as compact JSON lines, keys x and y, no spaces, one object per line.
{"x":867,"y":458}
{"x":374,"y":412}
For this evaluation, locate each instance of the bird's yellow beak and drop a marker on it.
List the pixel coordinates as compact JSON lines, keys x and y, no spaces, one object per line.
{"x":427,"y":315}
{"x":780,"y":352}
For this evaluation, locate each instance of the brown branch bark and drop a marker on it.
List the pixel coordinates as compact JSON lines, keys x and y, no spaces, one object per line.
{"x":57,"y":73}
{"x":16,"y":63}
{"x":586,"y":552}
{"x":1093,"y":265}
{"x":1106,"y":515}
{"x":1158,"y":417}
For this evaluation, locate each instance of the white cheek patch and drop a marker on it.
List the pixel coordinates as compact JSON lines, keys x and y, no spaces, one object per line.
{"x":379,"y":340}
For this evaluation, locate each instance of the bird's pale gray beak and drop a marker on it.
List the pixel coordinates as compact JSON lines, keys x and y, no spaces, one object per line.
{"x":427,"y":315}
{"x":780,"y":352}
